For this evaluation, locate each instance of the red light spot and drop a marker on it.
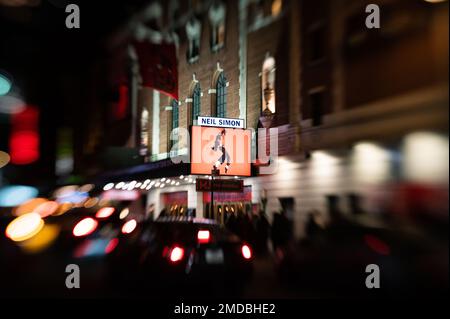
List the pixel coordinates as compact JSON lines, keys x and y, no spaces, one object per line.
{"x":111,"y":245}
{"x":176,"y":254}
{"x":246,"y":252}
{"x":24,"y":147}
{"x":377,"y":245}
{"x":24,"y":139}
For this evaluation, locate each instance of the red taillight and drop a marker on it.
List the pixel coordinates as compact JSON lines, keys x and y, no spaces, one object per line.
{"x":176,"y":254}
{"x":85,"y":227}
{"x":111,"y":245}
{"x":203,"y":236}
{"x":246,"y":252}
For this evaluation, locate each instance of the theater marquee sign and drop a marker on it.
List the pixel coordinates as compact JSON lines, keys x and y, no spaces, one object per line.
{"x":220,"y":145}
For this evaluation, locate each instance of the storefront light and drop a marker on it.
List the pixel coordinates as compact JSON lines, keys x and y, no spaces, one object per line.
{"x":168,"y":181}
{"x":172,"y":183}
{"x":157,"y":184}
{"x":120,"y":185}
{"x":108,"y":186}
{"x":162,"y":185}
{"x":131,"y":185}
{"x":163,"y":179}
{"x":177,"y":183}
{"x":138,"y":185}
{"x":426,"y":157}
{"x":370,"y":163}
{"x":181,"y":176}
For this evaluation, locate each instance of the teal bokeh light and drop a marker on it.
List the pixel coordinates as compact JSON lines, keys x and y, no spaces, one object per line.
{"x":5,"y":85}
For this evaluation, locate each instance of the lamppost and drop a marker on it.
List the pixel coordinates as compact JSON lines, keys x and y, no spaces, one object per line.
{"x":214,"y":172}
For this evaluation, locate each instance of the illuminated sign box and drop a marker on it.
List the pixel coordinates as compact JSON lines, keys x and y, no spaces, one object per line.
{"x":219,"y":185}
{"x":220,"y":122}
{"x":226,"y":149}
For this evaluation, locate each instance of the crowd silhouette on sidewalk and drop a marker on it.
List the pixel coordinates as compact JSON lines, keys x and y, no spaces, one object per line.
{"x":256,"y":229}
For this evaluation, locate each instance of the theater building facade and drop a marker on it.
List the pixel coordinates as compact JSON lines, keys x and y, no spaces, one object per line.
{"x":294,"y":76}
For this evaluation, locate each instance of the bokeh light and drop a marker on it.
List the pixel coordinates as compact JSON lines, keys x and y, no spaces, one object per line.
{"x":29,"y":206}
{"x":46,"y":209}
{"x":105,"y":212}
{"x":129,"y":226}
{"x":85,"y":227}
{"x":41,"y":241}
{"x":15,"y":195}
{"x":24,"y":227}
{"x":4,"y":159}
{"x":10,"y":104}
{"x":5,"y":85}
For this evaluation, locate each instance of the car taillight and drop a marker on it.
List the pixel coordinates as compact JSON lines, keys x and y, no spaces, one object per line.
{"x":85,"y":227}
{"x":112,"y":244}
{"x":176,"y":254}
{"x":246,"y":252}
{"x":203,"y":236}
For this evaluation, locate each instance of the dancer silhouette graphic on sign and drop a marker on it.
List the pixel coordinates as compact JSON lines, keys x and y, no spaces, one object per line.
{"x":225,"y":157}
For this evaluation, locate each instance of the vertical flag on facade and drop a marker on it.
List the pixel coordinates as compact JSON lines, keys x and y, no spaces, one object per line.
{"x":158,"y":66}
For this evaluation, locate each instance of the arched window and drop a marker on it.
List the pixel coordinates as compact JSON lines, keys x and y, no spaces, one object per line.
{"x":221,"y":96}
{"x":175,"y":116}
{"x":196,"y":106}
{"x":268,"y":86}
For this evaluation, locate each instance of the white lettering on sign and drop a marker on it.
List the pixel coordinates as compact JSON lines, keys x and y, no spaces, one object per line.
{"x":220,"y":122}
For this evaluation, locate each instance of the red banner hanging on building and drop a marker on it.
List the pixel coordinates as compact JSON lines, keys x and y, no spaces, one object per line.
{"x":158,"y":66}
